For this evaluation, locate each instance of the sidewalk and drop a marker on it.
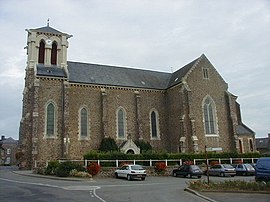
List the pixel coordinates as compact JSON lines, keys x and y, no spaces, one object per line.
{"x":31,"y":174}
{"x":232,"y":196}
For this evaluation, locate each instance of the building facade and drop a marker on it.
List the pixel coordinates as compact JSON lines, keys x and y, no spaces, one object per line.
{"x":8,"y":150}
{"x":69,"y":107}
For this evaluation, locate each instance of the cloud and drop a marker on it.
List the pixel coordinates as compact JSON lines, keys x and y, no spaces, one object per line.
{"x":155,"y":35}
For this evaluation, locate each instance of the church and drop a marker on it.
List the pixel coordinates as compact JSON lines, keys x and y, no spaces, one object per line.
{"x":70,"y":107}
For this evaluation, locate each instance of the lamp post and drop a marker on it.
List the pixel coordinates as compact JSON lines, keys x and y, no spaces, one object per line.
{"x":207,"y":169}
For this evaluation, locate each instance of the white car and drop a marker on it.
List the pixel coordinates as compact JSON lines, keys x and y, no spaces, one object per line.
{"x":222,"y":170}
{"x":130,"y":172}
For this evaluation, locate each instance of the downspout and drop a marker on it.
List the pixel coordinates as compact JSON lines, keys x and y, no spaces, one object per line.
{"x":63,"y":120}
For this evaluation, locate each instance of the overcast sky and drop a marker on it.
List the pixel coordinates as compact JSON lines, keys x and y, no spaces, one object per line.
{"x":161,"y":35}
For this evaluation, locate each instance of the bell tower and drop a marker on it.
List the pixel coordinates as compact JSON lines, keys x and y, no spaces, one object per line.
{"x":46,"y":54}
{"x":47,"y":47}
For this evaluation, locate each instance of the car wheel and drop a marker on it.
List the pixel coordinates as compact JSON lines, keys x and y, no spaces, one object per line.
{"x":116,"y":175}
{"x":128,"y":177}
{"x":189,"y":175}
{"x":222,"y":174}
{"x":143,"y":178}
{"x":199,"y":176}
{"x":174,"y":174}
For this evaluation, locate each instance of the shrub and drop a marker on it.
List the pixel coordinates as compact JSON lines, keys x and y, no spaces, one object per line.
{"x":108,"y":144}
{"x":160,"y":167}
{"x":76,"y":173}
{"x":144,"y":146}
{"x":52,"y":166}
{"x":188,"y":163}
{"x":93,"y":168}
{"x":64,"y":168}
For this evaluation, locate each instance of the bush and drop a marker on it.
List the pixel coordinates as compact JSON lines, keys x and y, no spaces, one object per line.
{"x":229,"y":185}
{"x":93,"y":168}
{"x":160,"y":167}
{"x":75,"y":173}
{"x":144,"y":146}
{"x":108,"y":144}
{"x":52,"y":166}
{"x":64,"y":168}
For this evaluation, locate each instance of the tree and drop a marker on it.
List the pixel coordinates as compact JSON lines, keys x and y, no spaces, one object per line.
{"x":108,"y":144}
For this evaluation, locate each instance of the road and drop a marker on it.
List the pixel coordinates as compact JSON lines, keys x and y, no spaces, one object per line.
{"x":14,"y":187}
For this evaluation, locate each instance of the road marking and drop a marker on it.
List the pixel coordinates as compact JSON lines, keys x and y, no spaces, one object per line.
{"x":31,"y":183}
{"x":92,"y":189}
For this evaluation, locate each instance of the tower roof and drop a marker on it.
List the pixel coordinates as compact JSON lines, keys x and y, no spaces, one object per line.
{"x":47,"y":29}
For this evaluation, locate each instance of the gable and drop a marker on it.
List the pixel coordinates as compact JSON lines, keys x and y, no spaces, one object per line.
{"x":199,"y":64}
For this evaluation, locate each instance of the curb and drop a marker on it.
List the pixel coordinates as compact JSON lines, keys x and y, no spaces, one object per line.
{"x":197,"y":194}
{"x":30,"y":174}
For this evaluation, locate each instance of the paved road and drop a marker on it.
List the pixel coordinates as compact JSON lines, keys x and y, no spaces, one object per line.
{"x":14,"y":187}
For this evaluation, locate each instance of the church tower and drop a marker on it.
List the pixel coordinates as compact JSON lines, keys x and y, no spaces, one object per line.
{"x":46,"y":57}
{"x":47,"y":46}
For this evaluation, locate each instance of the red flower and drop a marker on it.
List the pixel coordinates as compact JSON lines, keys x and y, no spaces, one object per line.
{"x":93,"y":168}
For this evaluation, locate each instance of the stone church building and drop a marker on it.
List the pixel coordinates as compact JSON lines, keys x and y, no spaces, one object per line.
{"x":69,"y":107}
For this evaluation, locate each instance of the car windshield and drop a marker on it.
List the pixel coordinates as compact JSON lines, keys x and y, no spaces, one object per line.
{"x":227,"y":166}
{"x":194,"y":167}
{"x":263,"y":164}
{"x":249,"y":167}
{"x":137,"y":168}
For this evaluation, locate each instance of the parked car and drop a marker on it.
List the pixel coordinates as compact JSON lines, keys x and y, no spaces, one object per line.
{"x":130,"y":172}
{"x":244,"y":169}
{"x":222,"y":170}
{"x":188,"y":170}
{"x":262,"y":169}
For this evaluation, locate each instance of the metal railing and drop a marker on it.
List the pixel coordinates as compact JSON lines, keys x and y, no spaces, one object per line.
{"x":168,"y":162}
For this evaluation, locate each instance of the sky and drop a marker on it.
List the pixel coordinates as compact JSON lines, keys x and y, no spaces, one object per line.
{"x":160,"y":35}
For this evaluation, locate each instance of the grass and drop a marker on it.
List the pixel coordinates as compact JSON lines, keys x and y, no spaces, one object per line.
{"x":229,"y":185}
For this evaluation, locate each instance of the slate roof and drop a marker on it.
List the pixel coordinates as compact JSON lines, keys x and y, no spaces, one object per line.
{"x":262,"y":143}
{"x":86,"y":73}
{"x":9,"y":140}
{"x":47,"y":29}
{"x":179,"y":74}
{"x":51,"y":71}
{"x":242,"y":129}
{"x":117,"y":76}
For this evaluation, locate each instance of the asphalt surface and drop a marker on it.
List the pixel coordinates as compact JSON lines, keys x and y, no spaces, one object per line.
{"x":205,"y":196}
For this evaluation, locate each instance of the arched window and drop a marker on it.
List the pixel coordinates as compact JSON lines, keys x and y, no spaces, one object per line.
{"x":121,"y":123}
{"x":240,"y":146}
{"x":154,"y":124}
{"x":50,"y":125}
{"x":54,"y":54}
{"x":251,"y":145}
{"x":41,"y":52}
{"x":209,"y":111}
{"x":83,"y":123}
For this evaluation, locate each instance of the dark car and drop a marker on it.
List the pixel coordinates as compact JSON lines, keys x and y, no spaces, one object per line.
{"x":222,"y":170}
{"x":262,"y":169}
{"x":188,"y":170}
{"x":244,"y":169}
